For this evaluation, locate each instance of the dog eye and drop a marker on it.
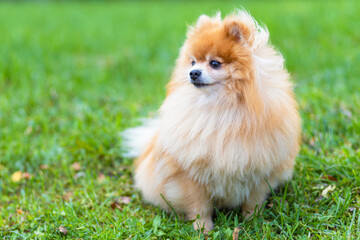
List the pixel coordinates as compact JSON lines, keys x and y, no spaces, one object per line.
{"x":215,"y":64}
{"x":192,"y":62}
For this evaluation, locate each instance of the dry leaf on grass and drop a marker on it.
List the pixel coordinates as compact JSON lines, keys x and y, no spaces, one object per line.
{"x":235,"y":235}
{"x":63,"y":230}
{"x":76,"y":166}
{"x":19,"y":211}
{"x":118,"y":202}
{"x":44,"y":167}
{"x":115,"y":204}
{"x":328,"y":189}
{"x":26,"y":175}
{"x":67,"y":196}
{"x":351,"y":209}
{"x":101,"y":178}
{"x":329,"y":177}
{"x":16,"y":176}
{"x":125,"y":200}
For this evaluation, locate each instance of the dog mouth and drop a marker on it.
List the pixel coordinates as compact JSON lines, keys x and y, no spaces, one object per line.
{"x":202,"y":85}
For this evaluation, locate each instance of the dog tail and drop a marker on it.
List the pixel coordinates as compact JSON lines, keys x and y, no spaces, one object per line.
{"x":135,"y":140}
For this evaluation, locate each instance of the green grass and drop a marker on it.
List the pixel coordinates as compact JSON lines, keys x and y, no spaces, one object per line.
{"x":74,"y":75}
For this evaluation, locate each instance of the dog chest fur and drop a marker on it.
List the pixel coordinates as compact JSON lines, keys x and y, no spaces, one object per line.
{"x":211,"y":142}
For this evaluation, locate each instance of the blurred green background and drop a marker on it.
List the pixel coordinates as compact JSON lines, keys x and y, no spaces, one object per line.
{"x":73,"y":75}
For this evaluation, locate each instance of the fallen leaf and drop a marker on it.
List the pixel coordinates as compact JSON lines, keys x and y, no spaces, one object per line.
{"x":101,"y":178}
{"x":115,"y":204}
{"x":236,"y":233}
{"x":63,"y":230}
{"x":16,"y":176}
{"x":351,"y":209}
{"x":26,"y":175}
{"x":76,"y":166}
{"x":329,"y":177}
{"x":328,"y":189}
{"x":67,"y":196}
{"x":44,"y":166}
{"x":125,"y":200}
{"x":19,"y":211}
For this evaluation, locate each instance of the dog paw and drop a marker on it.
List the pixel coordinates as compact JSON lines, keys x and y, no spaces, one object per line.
{"x":206,"y":224}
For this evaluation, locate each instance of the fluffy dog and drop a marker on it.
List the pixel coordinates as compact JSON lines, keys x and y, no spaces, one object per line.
{"x":229,"y":127}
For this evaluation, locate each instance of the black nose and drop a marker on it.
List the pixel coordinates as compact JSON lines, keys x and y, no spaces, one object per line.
{"x":195,"y":74}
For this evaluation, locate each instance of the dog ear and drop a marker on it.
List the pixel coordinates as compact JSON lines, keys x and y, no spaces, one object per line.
{"x":236,"y":30}
{"x":202,"y":19}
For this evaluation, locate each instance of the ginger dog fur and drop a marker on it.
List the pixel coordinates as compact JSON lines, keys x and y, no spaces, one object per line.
{"x":223,"y":144}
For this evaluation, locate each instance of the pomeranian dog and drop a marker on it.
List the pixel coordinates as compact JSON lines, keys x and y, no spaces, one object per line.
{"x":228,"y":130}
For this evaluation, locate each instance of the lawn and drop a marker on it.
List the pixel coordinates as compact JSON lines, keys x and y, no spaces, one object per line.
{"x":74,"y":75}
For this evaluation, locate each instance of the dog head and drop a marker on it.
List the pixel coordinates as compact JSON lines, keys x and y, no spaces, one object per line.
{"x":217,"y":56}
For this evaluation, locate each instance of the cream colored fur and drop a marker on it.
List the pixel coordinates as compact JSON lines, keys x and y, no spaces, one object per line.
{"x":207,"y":150}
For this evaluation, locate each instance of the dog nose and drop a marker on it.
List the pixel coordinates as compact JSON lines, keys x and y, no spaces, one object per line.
{"x":195,"y":74}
